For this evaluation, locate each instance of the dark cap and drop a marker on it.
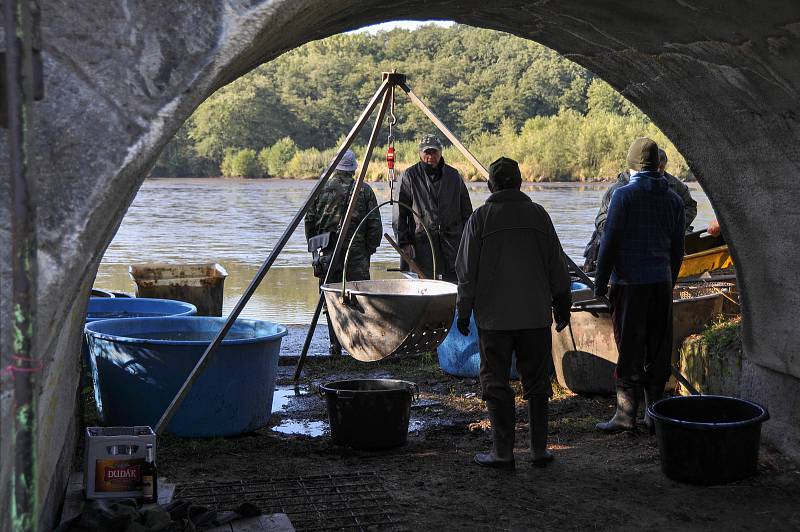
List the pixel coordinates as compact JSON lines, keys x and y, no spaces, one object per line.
{"x":643,"y":155}
{"x":504,"y":173}
{"x":429,"y":142}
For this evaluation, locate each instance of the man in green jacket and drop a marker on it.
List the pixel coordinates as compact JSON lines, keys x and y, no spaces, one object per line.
{"x":326,"y":214}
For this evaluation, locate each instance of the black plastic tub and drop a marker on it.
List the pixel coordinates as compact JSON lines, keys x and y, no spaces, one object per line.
{"x":708,"y":439}
{"x":369,"y":414}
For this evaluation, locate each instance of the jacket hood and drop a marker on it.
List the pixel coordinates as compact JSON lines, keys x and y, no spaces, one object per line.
{"x":502,"y":196}
{"x":651,"y":181}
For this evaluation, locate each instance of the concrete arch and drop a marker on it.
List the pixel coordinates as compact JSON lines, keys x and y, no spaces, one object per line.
{"x":722,"y":81}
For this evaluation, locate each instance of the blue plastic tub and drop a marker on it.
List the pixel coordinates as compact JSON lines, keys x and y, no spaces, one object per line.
{"x":111,"y":306}
{"x":460,"y":355}
{"x":138,"y":365}
{"x":104,"y":308}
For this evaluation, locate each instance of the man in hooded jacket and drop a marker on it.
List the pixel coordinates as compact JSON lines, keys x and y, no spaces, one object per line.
{"x":513,"y":275}
{"x":641,"y":253}
{"x":437,"y":193}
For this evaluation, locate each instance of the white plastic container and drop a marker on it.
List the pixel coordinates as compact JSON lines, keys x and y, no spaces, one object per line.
{"x":113,"y":461}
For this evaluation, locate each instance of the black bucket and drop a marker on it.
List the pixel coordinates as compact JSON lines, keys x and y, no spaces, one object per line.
{"x":708,"y":439}
{"x":369,"y":413}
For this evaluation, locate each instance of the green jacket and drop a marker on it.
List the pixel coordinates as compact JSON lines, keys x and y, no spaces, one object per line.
{"x":326,"y":213}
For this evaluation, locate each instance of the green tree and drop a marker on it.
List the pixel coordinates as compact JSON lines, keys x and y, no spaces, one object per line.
{"x":274,"y":160}
{"x":240,"y":163}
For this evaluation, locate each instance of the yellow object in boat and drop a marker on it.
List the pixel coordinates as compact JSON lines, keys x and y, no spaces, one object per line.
{"x":712,"y":259}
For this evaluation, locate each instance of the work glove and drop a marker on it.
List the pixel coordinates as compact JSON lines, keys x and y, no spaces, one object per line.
{"x":561,"y":310}
{"x":600,"y":291}
{"x":463,"y":325}
{"x":562,"y":318}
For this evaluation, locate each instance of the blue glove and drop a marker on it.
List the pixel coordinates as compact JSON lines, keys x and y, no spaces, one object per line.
{"x":463,"y":326}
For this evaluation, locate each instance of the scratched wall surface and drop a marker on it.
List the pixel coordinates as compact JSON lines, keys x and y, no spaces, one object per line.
{"x":720,"y":80}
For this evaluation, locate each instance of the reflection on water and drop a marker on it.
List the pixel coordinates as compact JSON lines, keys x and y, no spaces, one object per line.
{"x":236,"y":222}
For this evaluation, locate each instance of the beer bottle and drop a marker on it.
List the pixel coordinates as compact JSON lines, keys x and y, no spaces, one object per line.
{"x":149,"y":478}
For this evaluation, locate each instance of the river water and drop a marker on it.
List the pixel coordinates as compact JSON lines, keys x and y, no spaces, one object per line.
{"x":236,"y":222}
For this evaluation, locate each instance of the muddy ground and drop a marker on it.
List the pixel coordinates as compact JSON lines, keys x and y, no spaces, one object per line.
{"x":597,"y":481}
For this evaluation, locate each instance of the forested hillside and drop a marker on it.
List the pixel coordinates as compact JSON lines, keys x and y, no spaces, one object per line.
{"x":502,"y":95}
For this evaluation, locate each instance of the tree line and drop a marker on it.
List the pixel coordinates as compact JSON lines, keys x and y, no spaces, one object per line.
{"x":501,"y":94}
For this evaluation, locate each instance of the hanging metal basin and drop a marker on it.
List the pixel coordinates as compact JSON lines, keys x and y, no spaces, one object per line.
{"x":381,"y":318}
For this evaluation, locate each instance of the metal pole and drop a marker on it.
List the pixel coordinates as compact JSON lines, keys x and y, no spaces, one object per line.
{"x":19,"y":99}
{"x":447,"y":133}
{"x":348,"y":216}
{"x":248,"y":293}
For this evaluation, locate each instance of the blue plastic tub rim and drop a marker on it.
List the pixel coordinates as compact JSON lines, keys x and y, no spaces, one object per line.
{"x":698,"y":425}
{"x":176,"y":308}
{"x":95,"y":329}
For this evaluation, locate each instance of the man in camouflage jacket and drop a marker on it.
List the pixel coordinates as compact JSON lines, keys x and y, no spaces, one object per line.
{"x":326,"y":213}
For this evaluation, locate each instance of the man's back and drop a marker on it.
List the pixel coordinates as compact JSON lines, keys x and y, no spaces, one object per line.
{"x":519,"y":263}
{"x":643,"y":235}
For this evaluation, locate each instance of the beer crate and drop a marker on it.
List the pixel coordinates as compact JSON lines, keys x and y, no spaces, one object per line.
{"x":113,"y":461}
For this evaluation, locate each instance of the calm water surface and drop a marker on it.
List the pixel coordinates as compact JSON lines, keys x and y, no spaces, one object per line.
{"x":236,"y":223}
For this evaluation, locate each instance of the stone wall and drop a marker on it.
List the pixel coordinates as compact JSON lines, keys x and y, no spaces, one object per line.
{"x":120,"y":77}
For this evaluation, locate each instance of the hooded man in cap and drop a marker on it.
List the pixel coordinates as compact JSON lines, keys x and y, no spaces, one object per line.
{"x":326,"y":214}
{"x":675,"y":184}
{"x":437,"y":193}
{"x":513,"y":275}
{"x":641,"y":253}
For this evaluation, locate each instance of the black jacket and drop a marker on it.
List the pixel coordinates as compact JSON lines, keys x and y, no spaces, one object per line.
{"x":510,"y":265}
{"x":444,"y":205}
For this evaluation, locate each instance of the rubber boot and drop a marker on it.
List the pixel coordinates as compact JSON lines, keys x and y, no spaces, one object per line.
{"x":537,"y":412}
{"x":625,"y":416}
{"x":502,"y":417}
{"x":652,"y":393}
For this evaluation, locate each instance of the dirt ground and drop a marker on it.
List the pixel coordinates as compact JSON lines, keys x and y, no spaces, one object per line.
{"x":597,"y":481}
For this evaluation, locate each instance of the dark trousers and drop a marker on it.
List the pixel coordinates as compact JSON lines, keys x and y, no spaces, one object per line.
{"x":642,"y":318}
{"x":336,"y":277}
{"x":533,"y":348}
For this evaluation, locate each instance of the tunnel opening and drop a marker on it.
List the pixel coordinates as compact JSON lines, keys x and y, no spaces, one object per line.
{"x":723,"y":86}
{"x":251,"y":140}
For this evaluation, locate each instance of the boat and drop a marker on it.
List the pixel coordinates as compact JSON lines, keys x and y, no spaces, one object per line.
{"x":585,"y":353}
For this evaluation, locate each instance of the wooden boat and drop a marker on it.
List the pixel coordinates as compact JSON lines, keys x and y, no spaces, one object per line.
{"x":585,"y":354}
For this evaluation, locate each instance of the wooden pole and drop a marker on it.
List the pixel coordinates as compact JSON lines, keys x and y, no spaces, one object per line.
{"x":408,"y":260}
{"x":206,"y":357}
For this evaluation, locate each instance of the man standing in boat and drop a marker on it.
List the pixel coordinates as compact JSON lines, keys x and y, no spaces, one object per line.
{"x":641,"y":253}
{"x":324,"y":220}
{"x":437,"y":193}
{"x":512,"y":274}
{"x":675,"y":184}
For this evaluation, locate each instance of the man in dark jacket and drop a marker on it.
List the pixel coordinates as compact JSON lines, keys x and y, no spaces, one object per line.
{"x":675,"y":184}
{"x":641,"y":253}
{"x":325,"y":215}
{"x":512,"y":274}
{"x":437,"y":193}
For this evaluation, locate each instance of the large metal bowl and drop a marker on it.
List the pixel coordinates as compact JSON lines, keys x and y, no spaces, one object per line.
{"x":381,"y":318}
